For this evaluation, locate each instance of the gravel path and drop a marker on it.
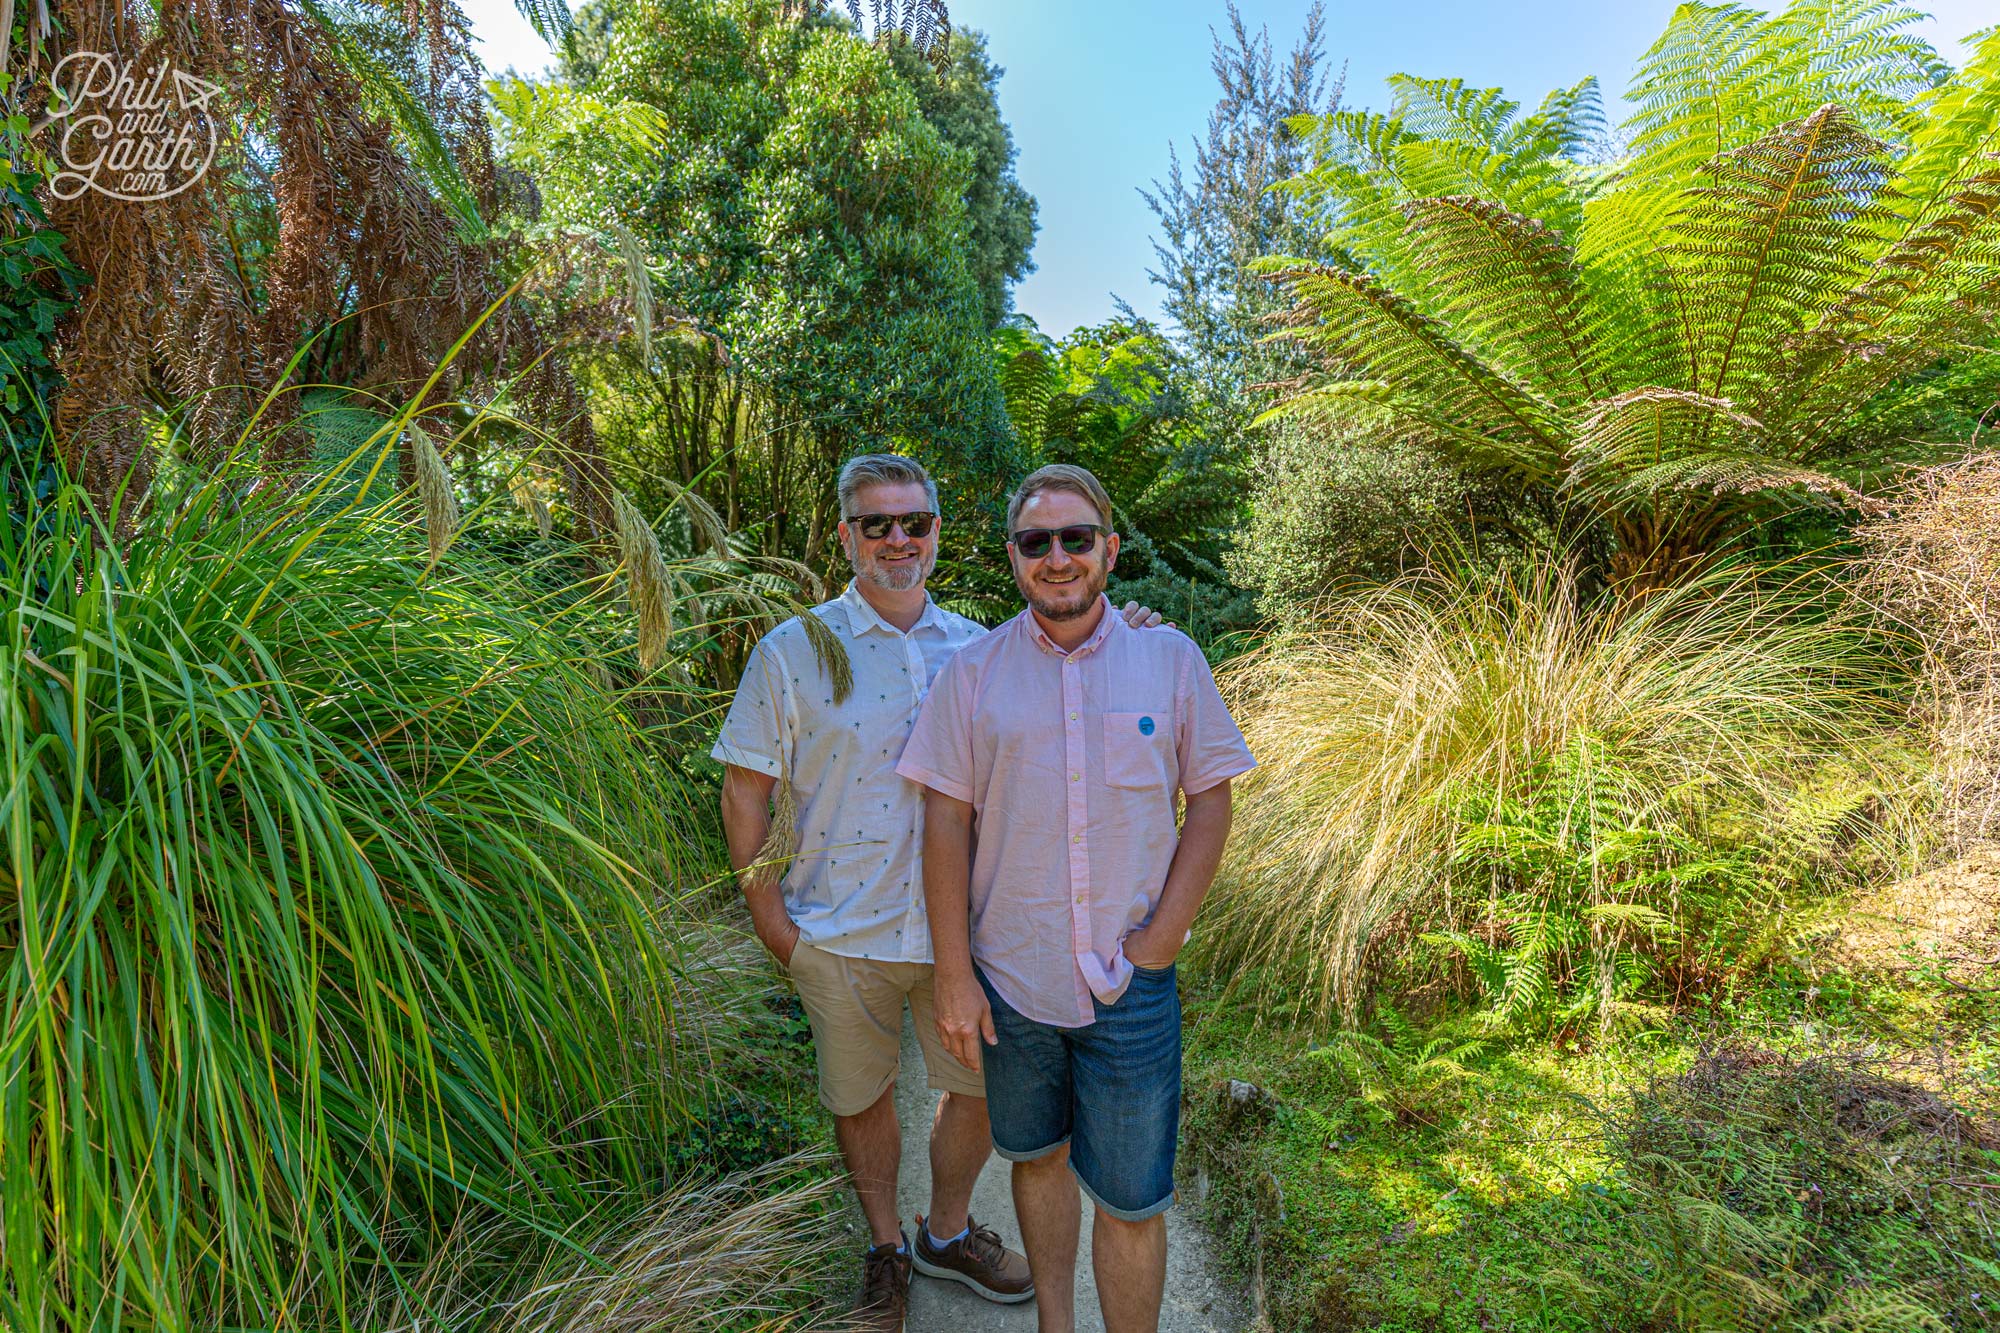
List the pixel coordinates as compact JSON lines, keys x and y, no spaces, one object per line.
{"x":1197,"y":1300}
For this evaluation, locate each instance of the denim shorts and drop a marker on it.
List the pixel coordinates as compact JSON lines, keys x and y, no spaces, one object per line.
{"x":1111,"y":1090}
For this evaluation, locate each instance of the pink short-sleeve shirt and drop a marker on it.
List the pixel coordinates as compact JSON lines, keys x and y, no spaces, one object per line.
{"x":1072,"y":763}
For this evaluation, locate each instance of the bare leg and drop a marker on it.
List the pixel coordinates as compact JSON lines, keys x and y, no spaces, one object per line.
{"x":872,"y":1145}
{"x":1130,"y":1259}
{"x":1049,"y":1207}
{"x":961,"y":1141}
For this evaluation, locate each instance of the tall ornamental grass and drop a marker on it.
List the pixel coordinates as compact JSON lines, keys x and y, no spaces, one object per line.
{"x":1542,"y":788}
{"x":328,"y":920}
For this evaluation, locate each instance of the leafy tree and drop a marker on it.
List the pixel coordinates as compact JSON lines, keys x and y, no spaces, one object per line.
{"x":958,"y":94}
{"x":962,"y":102}
{"x":1223,"y":212}
{"x":1109,"y":399}
{"x":776,"y":188}
{"x":1786,"y":287}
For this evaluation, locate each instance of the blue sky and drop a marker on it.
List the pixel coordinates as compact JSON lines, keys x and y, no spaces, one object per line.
{"x":1096,"y":90}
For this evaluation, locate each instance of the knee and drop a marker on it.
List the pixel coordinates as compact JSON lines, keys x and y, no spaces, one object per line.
{"x":1055,"y":1159}
{"x":1125,"y":1226}
{"x":963,"y":1106}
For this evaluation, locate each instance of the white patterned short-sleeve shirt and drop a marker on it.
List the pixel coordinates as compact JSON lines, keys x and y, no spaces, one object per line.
{"x":855,"y":886}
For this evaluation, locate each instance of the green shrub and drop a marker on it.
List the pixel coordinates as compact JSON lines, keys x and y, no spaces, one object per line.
{"x":332,"y":912}
{"x":1778,"y":1196}
{"x":1559,"y":793}
{"x":1337,"y":502}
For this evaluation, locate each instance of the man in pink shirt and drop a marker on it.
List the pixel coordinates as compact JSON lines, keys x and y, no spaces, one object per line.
{"x":1060,"y":892}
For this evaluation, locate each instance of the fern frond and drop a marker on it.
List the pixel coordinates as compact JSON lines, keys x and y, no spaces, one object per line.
{"x":1511,"y":283}
{"x":1565,"y":125}
{"x":1448,"y":109}
{"x":1656,"y":439}
{"x":1933,"y":295}
{"x":1030,"y":383}
{"x":1359,"y":327}
{"x":1690,"y":88}
{"x":1723,"y":75}
{"x":1649,"y":919}
{"x":1778,"y":235}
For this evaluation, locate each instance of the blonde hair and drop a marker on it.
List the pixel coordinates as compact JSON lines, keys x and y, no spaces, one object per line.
{"x":1065,"y":477}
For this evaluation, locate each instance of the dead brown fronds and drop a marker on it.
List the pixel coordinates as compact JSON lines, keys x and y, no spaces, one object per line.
{"x":318,"y":248}
{"x":1934,"y":564}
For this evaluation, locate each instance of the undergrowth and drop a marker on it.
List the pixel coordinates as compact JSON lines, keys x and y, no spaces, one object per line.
{"x":1405,"y":1179}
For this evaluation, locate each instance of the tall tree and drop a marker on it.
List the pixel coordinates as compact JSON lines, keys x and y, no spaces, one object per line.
{"x":1224,"y":210}
{"x":957,"y":87}
{"x":962,"y":102}
{"x":801,"y":211}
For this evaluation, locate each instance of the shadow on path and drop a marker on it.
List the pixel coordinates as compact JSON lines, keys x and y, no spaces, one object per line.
{"x":1197,"y":1300}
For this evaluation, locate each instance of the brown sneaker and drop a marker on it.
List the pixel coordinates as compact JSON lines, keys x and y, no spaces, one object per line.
{"x":885,"y":1289}
{"x":977,"y":1259}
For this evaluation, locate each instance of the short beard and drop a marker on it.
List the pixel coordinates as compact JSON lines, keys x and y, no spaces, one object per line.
{"x":901,"y":578}
{"x":1092,"y":584}
{"x":1060,"y":612}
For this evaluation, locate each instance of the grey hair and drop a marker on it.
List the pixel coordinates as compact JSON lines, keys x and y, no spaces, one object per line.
{"x":881,"y":470}
{"x":1065,"y":477}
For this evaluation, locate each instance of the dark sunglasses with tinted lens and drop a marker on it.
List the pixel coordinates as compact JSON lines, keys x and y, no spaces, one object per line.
{"x":1077,"y":539}
{"x":915,"y":524}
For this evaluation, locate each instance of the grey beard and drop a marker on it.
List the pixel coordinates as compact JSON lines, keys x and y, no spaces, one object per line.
{"x":901,"y":579}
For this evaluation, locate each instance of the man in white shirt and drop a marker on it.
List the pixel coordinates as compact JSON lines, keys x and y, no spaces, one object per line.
{"x":847,"y":918}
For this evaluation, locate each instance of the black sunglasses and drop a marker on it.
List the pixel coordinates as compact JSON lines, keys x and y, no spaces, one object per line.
{"x":915,"y":524}
{"x":1077,"y":539}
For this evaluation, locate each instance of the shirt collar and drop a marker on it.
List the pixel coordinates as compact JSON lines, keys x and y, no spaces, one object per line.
{"x":862,"y":615}
{"x":1104,"y":629}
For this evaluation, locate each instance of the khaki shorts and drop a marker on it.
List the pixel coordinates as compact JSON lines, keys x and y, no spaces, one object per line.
{"x":855,"y":1006}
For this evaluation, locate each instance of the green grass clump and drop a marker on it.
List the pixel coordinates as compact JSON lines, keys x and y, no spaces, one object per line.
{"x":334,"y":917}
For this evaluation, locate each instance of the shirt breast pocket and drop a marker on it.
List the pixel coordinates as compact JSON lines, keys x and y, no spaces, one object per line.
{"x":1139,"y":751}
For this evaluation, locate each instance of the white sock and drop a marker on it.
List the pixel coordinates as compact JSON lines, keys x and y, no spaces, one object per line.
{"x":937,"y":1244}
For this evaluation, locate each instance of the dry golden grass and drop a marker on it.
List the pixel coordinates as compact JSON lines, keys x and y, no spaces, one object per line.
{"x":434,"y":487}
{"x":1935,"y":565}
{"x":740,"y":1255}
{"x":1372,"y":717}
{"x":651,"y":586}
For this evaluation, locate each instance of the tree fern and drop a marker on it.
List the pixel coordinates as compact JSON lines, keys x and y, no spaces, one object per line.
{"x":1728,"y":317}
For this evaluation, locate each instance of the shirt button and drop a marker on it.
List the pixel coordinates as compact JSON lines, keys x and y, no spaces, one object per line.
{"x":1076,"y":777}
{"x":1077,"y":838}
{"x":1072,"y":717}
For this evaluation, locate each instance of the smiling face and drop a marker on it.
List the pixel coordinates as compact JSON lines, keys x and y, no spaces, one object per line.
{"x":1061,"y":586}
{"x":897,"y":562}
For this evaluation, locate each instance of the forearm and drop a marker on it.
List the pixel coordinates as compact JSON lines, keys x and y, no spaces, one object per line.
{"x":746,"y":824}
{"x":948,"y":882}
{"x":1204,"y":832}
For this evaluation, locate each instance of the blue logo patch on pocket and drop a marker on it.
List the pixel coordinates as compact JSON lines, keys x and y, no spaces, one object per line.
{"x":1145,"y":726}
